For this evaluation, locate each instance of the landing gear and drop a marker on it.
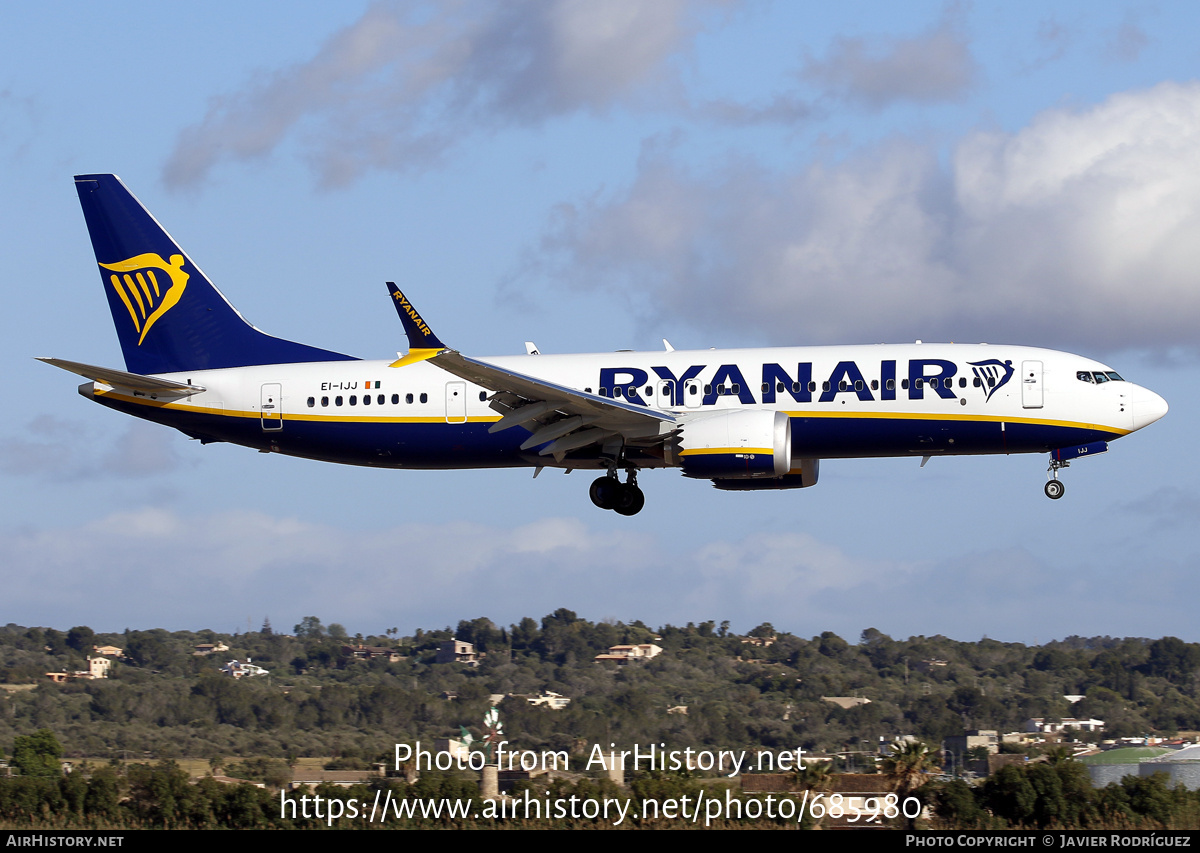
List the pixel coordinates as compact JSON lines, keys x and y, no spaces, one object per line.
{"x":608,"y":492}
{"x":1055,"y":488}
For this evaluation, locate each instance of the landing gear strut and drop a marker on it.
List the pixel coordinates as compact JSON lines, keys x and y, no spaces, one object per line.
{"x":1055,"y":488}
{"x":608,"y":492}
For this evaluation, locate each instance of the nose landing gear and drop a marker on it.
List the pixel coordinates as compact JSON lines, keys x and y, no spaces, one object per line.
{"x":608,"y":492}
{"x":1055,"y":488}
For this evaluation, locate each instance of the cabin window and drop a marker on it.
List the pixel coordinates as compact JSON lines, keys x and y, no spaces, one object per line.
{"x":825,"y":385}
{"x":312,"y":401}
{"x":380,"y":400}
{"x":904,"y":384}
{"x":353,"y":399}
{"x":812,"y":386}
{"x":933,"y":383}
{"x":707,"y":389}
{"x":858,"y":384}
{"x":649,"y":391}
{"x":395,"y":399}
{"x":919,"y":383}
{"x":585,"y":391}
{"x":737,"y":388}
{"x":720,"y":390}
{"x":767,"y":385}
{"x":874,"y":384}
{"x":408,"y":398}
{"x":424,"y":398}
{"x":366,"y":399}
{"x":891,"y":385}
{"x":795,"y":387}
{"x":617,"y":392}
{"x":962,"y":382}
{"x":337,"y":401}
{"x":977,"y":383}
{"x":324,"y":401}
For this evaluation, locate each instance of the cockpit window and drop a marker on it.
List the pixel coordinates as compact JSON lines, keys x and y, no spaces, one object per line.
{"x":1098,"y":376}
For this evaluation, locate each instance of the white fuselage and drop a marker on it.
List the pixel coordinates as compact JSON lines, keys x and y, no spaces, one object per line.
{"x":843,"y":401}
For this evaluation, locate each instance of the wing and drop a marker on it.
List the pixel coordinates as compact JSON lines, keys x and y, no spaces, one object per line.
{"x":563,"y":419}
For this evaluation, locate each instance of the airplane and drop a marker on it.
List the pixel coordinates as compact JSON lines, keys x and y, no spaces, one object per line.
{"x":746,"y":419}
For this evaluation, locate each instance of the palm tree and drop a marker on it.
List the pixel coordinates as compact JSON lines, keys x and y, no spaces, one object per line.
{"x":906,"y":768}
{"x":816,"y":777}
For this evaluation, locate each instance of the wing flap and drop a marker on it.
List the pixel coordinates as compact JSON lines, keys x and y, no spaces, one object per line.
{"x":601,"y":412}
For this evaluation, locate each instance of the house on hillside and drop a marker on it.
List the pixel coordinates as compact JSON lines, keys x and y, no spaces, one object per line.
{"x":625,"y":653}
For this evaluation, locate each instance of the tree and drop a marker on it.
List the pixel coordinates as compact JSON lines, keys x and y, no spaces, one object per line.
{"x":309,"y":627}
{"x":38,"y":754}
{"x":906,"y":769}
{"x":80,"y":638}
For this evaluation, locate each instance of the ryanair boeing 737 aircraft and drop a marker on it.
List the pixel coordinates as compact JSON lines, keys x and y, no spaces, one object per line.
{"x":745,"y":419}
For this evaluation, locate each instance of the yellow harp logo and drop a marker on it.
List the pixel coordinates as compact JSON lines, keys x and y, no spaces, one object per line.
{"x":140,"y":290}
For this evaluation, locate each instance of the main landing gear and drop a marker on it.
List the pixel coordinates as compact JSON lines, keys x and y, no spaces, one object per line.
{"x":1055,"y":488}
{"x":626,"y":498}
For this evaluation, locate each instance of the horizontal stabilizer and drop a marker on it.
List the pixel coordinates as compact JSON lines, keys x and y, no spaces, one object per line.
{"x":119,"y":378}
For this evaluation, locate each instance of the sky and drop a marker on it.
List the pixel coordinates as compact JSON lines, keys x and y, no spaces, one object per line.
{"x":595,"y":176}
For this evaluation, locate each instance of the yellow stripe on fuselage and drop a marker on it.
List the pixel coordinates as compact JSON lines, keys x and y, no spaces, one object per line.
{"x":304,"y":416}
{"x":954,"y":416}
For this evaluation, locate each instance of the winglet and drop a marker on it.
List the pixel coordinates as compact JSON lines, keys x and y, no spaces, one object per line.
{"x":422,"y":342}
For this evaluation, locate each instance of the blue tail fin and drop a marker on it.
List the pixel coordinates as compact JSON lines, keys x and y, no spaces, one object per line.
{"x":169,"y":316}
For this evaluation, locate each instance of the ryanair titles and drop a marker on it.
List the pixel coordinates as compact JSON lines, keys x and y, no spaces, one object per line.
{"x":408,"y":309}
{"x":912,"y":381}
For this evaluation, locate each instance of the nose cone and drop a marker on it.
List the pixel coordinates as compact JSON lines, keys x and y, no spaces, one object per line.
{"x":1147,"y":407}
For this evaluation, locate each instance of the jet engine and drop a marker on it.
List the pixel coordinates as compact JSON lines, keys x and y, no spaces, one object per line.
{"x":740,"y":445}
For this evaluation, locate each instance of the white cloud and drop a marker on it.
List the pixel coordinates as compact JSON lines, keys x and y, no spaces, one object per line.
{"x":1079,"y":230}
{"x":60,"y":449}
{"x":934,"y":66}
{"x":156,"y":567}
{"x":405,"y":82}
{"x":1127,"y":42}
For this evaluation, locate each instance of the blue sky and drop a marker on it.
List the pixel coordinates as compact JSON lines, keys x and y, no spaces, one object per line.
{"x":597,"y":176}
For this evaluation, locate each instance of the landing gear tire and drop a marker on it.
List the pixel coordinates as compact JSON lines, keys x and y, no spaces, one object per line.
{"x":1055,"y":489}
{"x":605,"y":492}
{"x":630,"y":500}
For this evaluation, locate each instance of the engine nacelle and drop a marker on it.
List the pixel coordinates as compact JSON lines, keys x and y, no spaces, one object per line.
{"x":801,"y":476}
{"x":736,"y":445}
